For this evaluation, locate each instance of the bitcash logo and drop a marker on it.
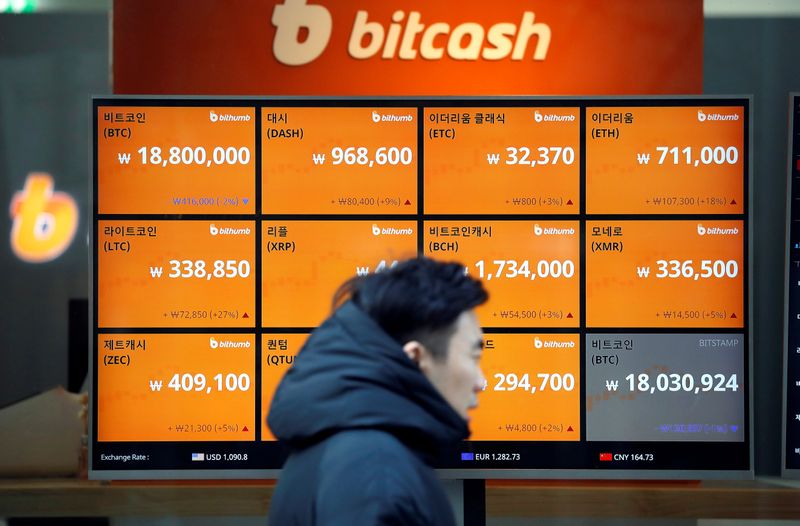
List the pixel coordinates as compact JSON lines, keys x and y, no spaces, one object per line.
{"x":44,"y":221}
{"x":289,"y":18}
{"x":302,"y":32}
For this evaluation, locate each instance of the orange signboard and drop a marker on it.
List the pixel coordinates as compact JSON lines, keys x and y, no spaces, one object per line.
{"x":684,"y":160}
{"x":161,"y":160}
{"x":347,"y":160}
{"x":304,"y":262}
{"x":407,"y":47}
{"x":532,"y":388}
{"x":176,"y":387}
{"x":176,"y":273}
{"x":531,"y":269}
{"x":502,"y":160}
{"x":664,"y":274}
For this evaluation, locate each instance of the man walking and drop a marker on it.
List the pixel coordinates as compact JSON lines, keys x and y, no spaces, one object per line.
{"x":378,"y":391}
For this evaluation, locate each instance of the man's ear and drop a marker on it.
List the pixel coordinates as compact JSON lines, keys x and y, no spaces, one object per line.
{"x":415,"y":351}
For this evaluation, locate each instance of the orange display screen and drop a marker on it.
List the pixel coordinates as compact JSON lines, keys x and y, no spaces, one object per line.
{"x":664,"y":274}
{"x":278,"y":351}
{"x":176,"y":273}
{"x":304,"y":262}
{"x":531,"y":269}
{"x":176,"y":387}
{"x":687,"y":160}
{"x":348,"y":160}
{"x":502,"y":160}
{"x":532,"y":388}
{"x":164,"y":160}
{"x":612,"y":237}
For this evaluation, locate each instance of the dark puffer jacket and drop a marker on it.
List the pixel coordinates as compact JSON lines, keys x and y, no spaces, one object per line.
{"x":363,"y":424}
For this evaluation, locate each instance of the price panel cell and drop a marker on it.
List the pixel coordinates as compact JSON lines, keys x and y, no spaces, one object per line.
{"x":532,"y":388}
{"x":502,"y":160}
{"x":190,"y":160}
{"x":531,"y":269}
{"x":346,"y":160}
{"x":175,"y":387}
{"x":176,"y":274}
{"x":665,"y":160}
{"x":664,"y":273}
{"x":304,"y":262}
{"x":665,"y":387}
{"x":278,"y":352}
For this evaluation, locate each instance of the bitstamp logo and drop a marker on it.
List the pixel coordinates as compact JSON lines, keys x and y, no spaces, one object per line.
{"x":44,"y":221}
{"x":302,"y":33}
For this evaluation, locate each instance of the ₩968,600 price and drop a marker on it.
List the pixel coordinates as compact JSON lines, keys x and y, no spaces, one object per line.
{"x":363,"y":156}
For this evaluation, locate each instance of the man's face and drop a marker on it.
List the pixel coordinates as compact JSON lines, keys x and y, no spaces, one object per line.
{"x":458,"y":377}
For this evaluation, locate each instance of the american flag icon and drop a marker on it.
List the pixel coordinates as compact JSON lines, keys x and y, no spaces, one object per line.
{"x":198,"y":457}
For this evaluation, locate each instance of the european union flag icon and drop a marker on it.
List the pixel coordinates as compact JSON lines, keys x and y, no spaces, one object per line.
{"x":467,"y":456}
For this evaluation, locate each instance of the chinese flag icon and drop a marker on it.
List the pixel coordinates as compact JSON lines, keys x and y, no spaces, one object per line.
{"x":605,"y":457}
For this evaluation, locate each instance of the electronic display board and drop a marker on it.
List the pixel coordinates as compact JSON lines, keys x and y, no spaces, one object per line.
{"x":612,"y":235}
{"x":790,"y":465}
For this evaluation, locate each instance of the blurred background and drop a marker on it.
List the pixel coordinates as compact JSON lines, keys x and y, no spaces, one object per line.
{"x":55,"y":54}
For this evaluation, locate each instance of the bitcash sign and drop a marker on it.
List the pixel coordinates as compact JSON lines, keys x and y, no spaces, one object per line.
{"x":408,"y":47}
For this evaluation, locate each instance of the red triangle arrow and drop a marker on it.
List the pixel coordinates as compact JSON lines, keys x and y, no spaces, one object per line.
{"x":570,"y":428}
{"x":245,"y":315}
{"x":245,"y":429}
{"x":569,"y":202}
{"x":733,"y":316}
{"x":569,"y":315}
{"x":408,"y":202}
{"x":733,"y":201}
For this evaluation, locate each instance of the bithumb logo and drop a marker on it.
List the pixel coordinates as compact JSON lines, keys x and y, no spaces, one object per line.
{"x":388,"y":117}
{"x":552,"y":117}
{"x":467,"y":41}
{"x":716,"y":231}
{"x":213,"y":343}
{"x":391,"y":231}
{"x":552,"y":344}
{"x":44,"y":221}
{"x":227,"y":117}
{"x":552,"y":231}
{"x":703,"y":116}
{"x":227,"y":231}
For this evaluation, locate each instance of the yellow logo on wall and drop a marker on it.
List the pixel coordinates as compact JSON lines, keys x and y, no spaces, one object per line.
{"x":44,"y":221}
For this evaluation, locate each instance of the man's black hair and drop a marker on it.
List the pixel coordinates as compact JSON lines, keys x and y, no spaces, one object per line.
{"x":417,"y":299}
